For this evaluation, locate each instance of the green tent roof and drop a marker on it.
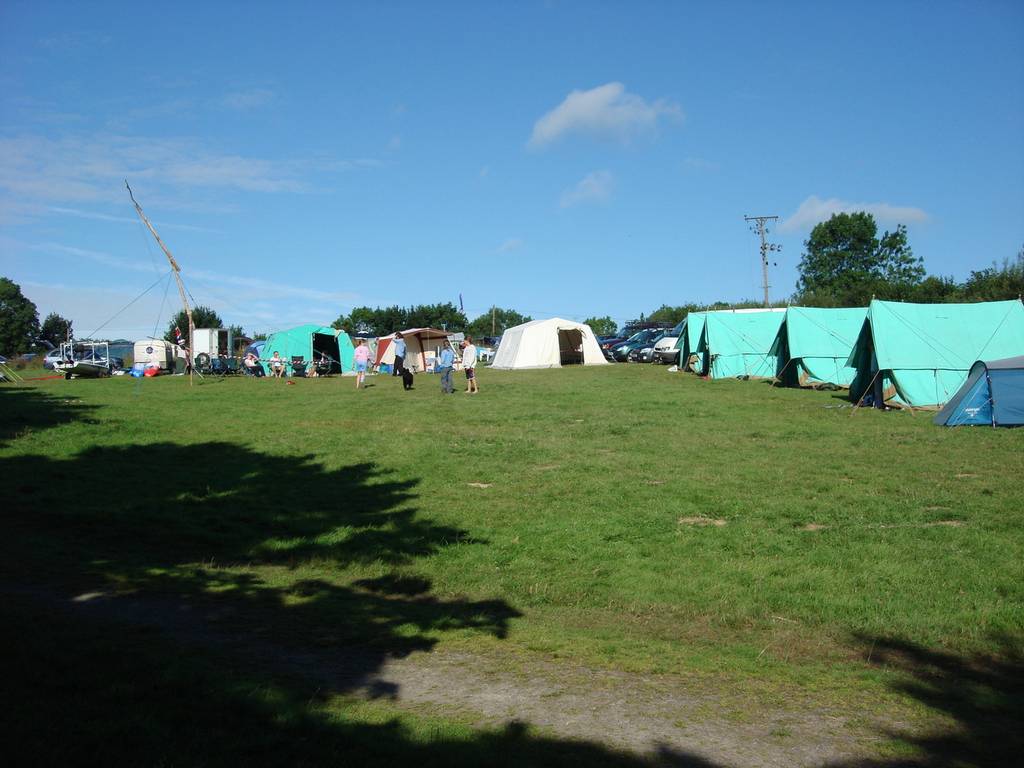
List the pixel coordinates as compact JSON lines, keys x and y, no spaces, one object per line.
{"x":813,"y":345}
{"x":738,"y":342}
{"x":924,"y":351}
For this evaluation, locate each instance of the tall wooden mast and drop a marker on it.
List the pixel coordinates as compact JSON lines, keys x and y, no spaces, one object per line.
{"x":176,"y":271}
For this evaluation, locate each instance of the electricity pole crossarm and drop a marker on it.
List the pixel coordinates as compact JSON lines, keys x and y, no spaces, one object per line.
{"x":761,"y":230}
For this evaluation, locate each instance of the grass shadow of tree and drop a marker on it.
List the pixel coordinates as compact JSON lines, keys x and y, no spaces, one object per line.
{"x":24,"y":410}
{"x":211,"y":625}
{"x":983,"y":695}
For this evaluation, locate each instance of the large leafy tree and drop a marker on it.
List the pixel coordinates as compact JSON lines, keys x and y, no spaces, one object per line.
{"x":845,"y":262}
{"x":500,"y":321}
{"x":55,"y":329}
{"x":203,"y":317}
{"x":19,"y":320}
{"x":602,"y":326}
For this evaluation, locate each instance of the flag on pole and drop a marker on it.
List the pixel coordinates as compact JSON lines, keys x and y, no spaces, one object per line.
{"x":179,"y":337}
{"x":461,"y":308}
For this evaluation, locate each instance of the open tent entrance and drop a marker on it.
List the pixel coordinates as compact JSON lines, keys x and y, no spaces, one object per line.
{"x":570,"y":346}
{"x":326,"y":345}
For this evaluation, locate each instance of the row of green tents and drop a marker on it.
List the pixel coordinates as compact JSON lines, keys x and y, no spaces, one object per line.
{"x":893,"y":353}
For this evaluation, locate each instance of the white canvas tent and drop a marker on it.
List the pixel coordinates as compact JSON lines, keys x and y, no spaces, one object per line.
{"x":548,"y":344}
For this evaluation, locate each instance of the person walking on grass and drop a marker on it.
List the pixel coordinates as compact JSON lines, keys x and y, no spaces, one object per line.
{"x":469,"y":364}
{"x":399,"y":343}
{"x":445,"y":366}
{"x":362,"y":358}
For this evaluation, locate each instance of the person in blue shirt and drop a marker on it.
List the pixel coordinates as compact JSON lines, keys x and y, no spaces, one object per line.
{"x":399,"y":343}
{"x":445,"y":366}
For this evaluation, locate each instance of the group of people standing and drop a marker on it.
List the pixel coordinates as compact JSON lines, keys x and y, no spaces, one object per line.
{"x":446,"y":367}
{"x":445,"y":364}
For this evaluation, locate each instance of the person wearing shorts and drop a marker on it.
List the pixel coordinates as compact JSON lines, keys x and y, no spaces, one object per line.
{"x":362,"y":358}
{"x":469,"y":365}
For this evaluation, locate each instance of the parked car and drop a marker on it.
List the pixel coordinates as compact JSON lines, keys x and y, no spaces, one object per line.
{"x":607,"y":342}
{"x":665,"y":351}
{"x":639,"y":340}
{"x":53,"y":356}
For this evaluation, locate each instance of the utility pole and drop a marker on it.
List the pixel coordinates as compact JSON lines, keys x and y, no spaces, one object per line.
{"x":492,"y":319}
{"x":758,"y":227}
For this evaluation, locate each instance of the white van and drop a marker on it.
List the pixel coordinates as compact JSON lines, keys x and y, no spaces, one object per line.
{"x":665,"y":350}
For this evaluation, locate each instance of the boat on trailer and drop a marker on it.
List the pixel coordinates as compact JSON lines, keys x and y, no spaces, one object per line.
{"x":84,"y":359}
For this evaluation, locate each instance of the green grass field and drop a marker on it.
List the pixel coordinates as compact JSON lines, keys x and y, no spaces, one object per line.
{"x":764,"y":542}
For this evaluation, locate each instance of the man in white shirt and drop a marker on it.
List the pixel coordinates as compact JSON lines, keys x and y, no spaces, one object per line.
{"x":469,"y":365}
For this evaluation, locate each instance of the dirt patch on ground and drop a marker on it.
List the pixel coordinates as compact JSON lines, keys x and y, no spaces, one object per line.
{"x":814,"y":527}
{"x":717,"y":522}
{"x":479,"y":485}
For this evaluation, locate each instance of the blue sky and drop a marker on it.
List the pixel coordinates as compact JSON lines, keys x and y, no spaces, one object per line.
{"x":553,"y":157}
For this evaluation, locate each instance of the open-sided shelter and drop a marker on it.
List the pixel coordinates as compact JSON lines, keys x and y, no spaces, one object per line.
{"x":549,"y":343}
{"x":736,"y":342}
{"x":992,"y":395}
{"x":311,"y":342}
{"x":814,"y":344}
{"x":421,"y":346}
{"x":918,"y":355}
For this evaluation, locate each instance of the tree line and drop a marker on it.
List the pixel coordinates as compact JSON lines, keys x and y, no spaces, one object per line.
{"x":845,"y":264}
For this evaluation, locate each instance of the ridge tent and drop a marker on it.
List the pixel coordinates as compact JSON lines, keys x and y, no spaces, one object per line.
{"x":548,"y":343}
{"x":420,"y":347}
{"x":689,"y":360}
{"x":992,"y":395}
{"x":814,"y":344}
{"x":310,"y":342}
{"x":735,"y":342}
{"x":919,"y":355}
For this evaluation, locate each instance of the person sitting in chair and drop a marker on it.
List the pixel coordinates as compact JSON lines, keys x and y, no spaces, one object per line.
{"x":252,"y":365}
{"x":277,"y":365}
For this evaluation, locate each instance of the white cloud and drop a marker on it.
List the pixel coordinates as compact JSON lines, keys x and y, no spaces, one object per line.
{"x":595,"y":187}
{"x":814,"y":210}
{"x":92,"y":169}
{"x":512,"y":244}
{"x":605,"y":112}
{"x":249,"y":99}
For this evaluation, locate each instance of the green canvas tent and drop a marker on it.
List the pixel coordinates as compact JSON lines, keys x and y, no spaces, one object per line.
{"x":919,"y":354}
{"x":311,"y":342}
{"x":689,"y":360}
{"x":813,"y":345}
{"x":735,"y":342}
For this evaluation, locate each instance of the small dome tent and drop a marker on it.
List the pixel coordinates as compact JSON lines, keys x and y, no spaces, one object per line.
{"x":548,"y":343}
{"x":311,"y":342}
{"x":993,"y":395}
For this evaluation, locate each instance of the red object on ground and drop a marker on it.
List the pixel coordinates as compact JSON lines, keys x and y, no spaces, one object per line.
{"x":150,"y":372}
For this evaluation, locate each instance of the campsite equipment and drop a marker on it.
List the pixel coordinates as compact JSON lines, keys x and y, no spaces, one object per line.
{"x":311,"y":342}
{"x":993,"y":395}
{"x":918,"y":355}
{"x":736,"y":343}
{"x":549,"y":343}
{"x":421,"y":347}
{"x":813,"y":345}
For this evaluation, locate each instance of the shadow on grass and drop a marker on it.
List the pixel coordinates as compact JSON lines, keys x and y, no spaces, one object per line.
{"x":982,"y":695}
{"x":189,"y":605}
{"x":24,"y":410}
